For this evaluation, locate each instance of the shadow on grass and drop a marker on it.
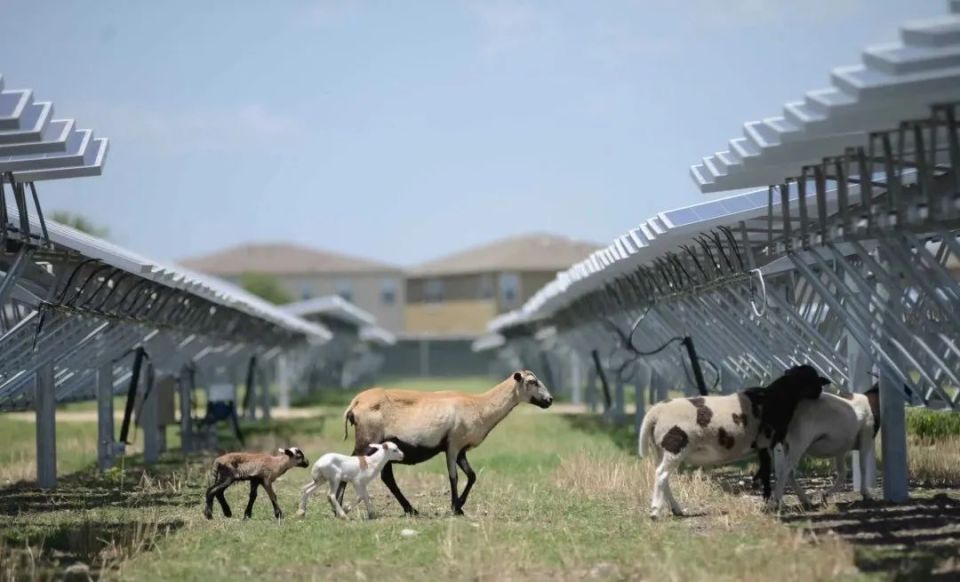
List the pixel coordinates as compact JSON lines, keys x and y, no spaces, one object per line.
{"x":45,"y":546}
{"x":916,"y":540}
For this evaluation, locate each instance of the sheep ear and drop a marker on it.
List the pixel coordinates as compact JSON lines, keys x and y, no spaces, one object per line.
{"x":287,"y":452}
{"x":517,"y":377}
{"x":281,"y":451}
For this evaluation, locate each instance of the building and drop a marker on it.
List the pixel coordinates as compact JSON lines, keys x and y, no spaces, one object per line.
{"x":458,"y":294}
{"x":304,"y":273}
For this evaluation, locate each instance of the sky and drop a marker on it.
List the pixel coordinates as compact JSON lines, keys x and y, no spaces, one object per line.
{"x":404,"y":130}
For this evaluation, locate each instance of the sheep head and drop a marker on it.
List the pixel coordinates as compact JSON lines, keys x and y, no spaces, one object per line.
{"x":296,"y":457}
{"x":531,"y":389}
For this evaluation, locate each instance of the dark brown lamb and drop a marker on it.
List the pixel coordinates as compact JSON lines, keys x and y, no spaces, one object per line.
{"x":260,"y":469}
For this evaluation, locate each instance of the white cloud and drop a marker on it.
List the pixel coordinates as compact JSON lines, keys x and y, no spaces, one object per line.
{"x":229,"y":127}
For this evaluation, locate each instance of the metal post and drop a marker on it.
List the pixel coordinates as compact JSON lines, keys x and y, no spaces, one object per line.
{"x":893,"y":438}
{"x":858,"y":367}
{"x":45,"y":401}
{"x":250,"y":393}
{"x":591,"y":390}
{"x":663,"y":389}
{"x":105,"y":442}
{"x":576,"y":378}
{"x":642,"y":387}
{"x":185,"y":383}
{"x":149,"y":421}
{"x":265,"y":381}
{"x":620,"y":404}
{"x":283,"y":383}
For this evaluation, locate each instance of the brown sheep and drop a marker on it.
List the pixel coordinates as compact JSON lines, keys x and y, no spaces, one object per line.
{"x":258,"y":468}
{"x":423,"y":424}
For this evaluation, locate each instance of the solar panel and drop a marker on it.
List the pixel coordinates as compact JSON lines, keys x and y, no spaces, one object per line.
{"x":896,"y":81}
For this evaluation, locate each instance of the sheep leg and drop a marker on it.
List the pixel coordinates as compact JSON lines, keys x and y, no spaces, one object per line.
{"x":387,"y":477}
{"x":785,"y":470}
{"x":661,"y":492}
{"x":841,"y":480}
{"x":340,"y":491}
{"x":332,"y":498}
{"x":305,"y":494}
{"x":254,"y":484}
{"x":211,"y":493}
{"x":452,"y":472}
{"x":277,"y":512}
{"x":763,"y":472}
{"x":217,"y":491}
{"x":801,"y":494}
{"x":362,"y":494}
{"x":471,"y":477}
{"x":868,"y":452}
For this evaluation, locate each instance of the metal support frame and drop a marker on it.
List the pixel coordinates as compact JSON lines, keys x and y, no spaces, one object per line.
{"x":150,"y":420}
{"x":186,"y":382}
{"x":46,"y":424}
{"x":106,"y":446}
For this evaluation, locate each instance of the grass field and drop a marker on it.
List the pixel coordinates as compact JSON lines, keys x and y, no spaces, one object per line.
{"x":558,"y":496}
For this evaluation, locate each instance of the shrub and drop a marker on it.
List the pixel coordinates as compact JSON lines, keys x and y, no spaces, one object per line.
{"x":932,"y":424}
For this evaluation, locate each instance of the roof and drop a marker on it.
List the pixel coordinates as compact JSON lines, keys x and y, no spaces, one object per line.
{"x":281,"y":259}
{"x":532,"y":252}
{"x":332,"y":306}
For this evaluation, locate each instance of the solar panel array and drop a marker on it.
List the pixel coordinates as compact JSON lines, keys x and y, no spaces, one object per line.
{"x":896,"y":81}
{"x":34,"y":146}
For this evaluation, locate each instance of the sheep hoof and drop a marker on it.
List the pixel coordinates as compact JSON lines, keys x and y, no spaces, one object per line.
{"x":207,"y":513}
{"x":457,"y":511}
{"x":677,"y":512}
{"x":301,"y":513}
{"x":411,"y":512}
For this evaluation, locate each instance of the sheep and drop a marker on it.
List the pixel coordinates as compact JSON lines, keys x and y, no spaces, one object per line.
{"x":259,"y":469}
{"x":423,"y":424}
{"x":713,"y":430}
{"x":359,"y":470}
{"x":829,"y":427}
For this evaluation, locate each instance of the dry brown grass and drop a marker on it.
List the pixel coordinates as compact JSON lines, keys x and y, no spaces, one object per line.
{"x":730,"y":533}
{"x":934,"y":462}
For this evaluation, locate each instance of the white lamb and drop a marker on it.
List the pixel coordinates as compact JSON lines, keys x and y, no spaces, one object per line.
{"x":335,"y":468}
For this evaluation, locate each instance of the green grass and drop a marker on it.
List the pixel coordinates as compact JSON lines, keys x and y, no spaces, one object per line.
{"x":935,"y":424}
{"x":558,"y":496}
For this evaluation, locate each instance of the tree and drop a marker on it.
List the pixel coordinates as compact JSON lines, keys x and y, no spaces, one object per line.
{"x":265,"y":287}
{"x":80,"y":222}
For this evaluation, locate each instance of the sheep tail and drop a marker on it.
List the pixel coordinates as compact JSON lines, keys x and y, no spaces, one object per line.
{"x":349,"y":418}
{"x":645,"y":441}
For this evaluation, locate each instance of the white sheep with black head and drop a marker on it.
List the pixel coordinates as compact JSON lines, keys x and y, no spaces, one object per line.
{"x":830,"y":427}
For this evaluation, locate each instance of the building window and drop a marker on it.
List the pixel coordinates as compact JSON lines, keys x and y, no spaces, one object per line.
{"x":433,"y":291}
{"x":509,"y":289}
{"x":486,"y":287}
{"x":388,"y":292}
{"x":306,"y":290}
{"x":344,"y":288}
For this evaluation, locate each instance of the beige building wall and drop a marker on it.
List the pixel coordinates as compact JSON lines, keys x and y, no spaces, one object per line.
{"x":366,"y":290}
{"x":450,"y":317}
